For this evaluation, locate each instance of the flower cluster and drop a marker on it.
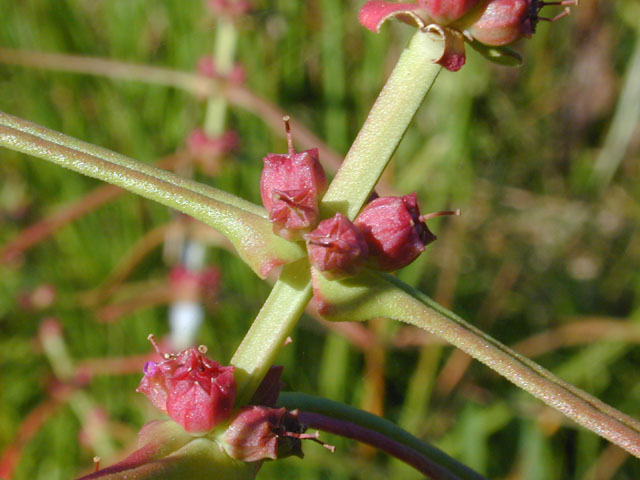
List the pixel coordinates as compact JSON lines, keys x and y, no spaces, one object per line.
{"x":490,"y":22}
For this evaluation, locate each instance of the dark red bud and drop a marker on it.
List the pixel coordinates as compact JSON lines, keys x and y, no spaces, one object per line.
{"x":337,"y":247}
{"x":260,"y":432}
{"x":501,"y":22}
{"x":394,"y":231}
{"x":194,"y":391}
{"x":290,"y":187}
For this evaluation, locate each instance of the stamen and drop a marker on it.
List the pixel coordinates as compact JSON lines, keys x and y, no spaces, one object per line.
{"x":202,"y":349}
{"x":439,"y":214}
{"x":287,"y":129}
{"x":314,"y":437}
{"x":152,"y":339}
{"x":565,"y":12}
{"x":96,"y":463}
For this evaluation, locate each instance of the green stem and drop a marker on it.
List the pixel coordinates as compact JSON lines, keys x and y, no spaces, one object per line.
{"x":401,"y":96}
{"x":250,"y":233}
{"x":385,"y":126}
{"x":223,"y":56}
{"x":270,"y":329}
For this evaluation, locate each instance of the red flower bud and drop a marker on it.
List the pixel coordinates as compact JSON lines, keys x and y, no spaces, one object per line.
{"x":193,"y":390}
{"x":262,"y":432}
{"x":290,"y":186}
{"x":394,"y":230}
{"x":502,"y":22}
{"x":446,"y":11}
{"x":337,"y":248}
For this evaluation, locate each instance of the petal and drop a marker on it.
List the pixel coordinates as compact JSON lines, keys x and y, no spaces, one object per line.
{"x":453,"y":55}
{"x":374,"y":13}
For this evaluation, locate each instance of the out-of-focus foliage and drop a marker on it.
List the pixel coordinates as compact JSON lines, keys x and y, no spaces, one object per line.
{"x":542,"y":160}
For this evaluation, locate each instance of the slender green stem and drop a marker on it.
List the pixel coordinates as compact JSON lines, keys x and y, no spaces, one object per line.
{"x":59,"y":139}
{"x":339,"y":411}
{"x":272,"y":326}
{"x":223,"y":56}
{"x":403,"y":93}
{"x":374,"y":295}
{"x":250,"y":234}
{"x":389,"y":118}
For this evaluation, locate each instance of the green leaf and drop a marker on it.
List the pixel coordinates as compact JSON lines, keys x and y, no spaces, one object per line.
{"x":372,"y":295}
{"x":243,"y":223}
{"x":501,"y":55}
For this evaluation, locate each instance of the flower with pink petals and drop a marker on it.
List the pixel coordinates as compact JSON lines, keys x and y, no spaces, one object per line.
{"x":290,"y":187}
{"x":193,"y":390}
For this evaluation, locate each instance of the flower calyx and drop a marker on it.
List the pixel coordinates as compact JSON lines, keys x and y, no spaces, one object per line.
{"x":258,"y":432}
{"x":481,"y":23}
{"x":290,"y":187}
{"x":395,"y":231}
{"x":196,"y":392}
{"x":337,"y":247}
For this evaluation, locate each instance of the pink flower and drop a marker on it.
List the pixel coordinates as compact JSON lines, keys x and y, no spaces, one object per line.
{"x":394,"y":230}
{"x":290,"y":186}
{"x":490,"y":22}
{"x":194,"y":391}
{"x":230,"y":8}
{"x":337,"y":247}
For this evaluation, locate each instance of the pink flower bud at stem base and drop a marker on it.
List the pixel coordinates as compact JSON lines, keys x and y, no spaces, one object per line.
{"x":337,"y":247}
{"x":193,"y":390}
{"x":290,"y":187}
{"x":395,"y":231}
{"x":258,"y":433}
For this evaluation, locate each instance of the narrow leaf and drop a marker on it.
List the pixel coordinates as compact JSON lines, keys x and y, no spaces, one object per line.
{"x":430,"y":460}
{"x":244,"y":224}
{"x":501,"y":55}
{"x":372,"y":295}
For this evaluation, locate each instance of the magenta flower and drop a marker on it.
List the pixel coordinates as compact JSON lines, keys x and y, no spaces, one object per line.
{"x":337,"y":247}
{"x":194,"y":391}
{"x":490,"y":22}
{"x":231,"y":8}
{"x":394,"y":230}
{"x":291,"y":186}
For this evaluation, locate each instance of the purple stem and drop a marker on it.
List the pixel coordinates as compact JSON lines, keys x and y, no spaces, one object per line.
{"x":379,"y":441}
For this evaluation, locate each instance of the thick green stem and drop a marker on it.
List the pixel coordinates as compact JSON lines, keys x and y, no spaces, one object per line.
{"x":272,"y":326}
{"x":403,"y":93}
{"x":389,"y":118}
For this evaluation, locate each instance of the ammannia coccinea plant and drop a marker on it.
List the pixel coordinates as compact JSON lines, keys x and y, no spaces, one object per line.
{"x":335,"y":242}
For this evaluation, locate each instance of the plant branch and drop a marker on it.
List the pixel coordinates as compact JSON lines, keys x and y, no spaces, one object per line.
{"x":374,"y":295}
{"x":250,"y":233}
{"x":383,"y":434}
{"x":385,"y":126}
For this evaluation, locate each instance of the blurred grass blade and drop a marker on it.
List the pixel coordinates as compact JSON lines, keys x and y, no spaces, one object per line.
{"x":243,"y":223}
{"x":373,"y":295}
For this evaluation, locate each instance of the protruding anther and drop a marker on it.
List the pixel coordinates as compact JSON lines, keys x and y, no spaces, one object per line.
{"x":287,"y":129}
{"x":439,"y":214}
{"x":202,"y":349}
{"x":152,"y":339}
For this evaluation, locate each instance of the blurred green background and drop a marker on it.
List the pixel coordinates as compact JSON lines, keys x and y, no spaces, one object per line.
{"x":542,"y":160}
